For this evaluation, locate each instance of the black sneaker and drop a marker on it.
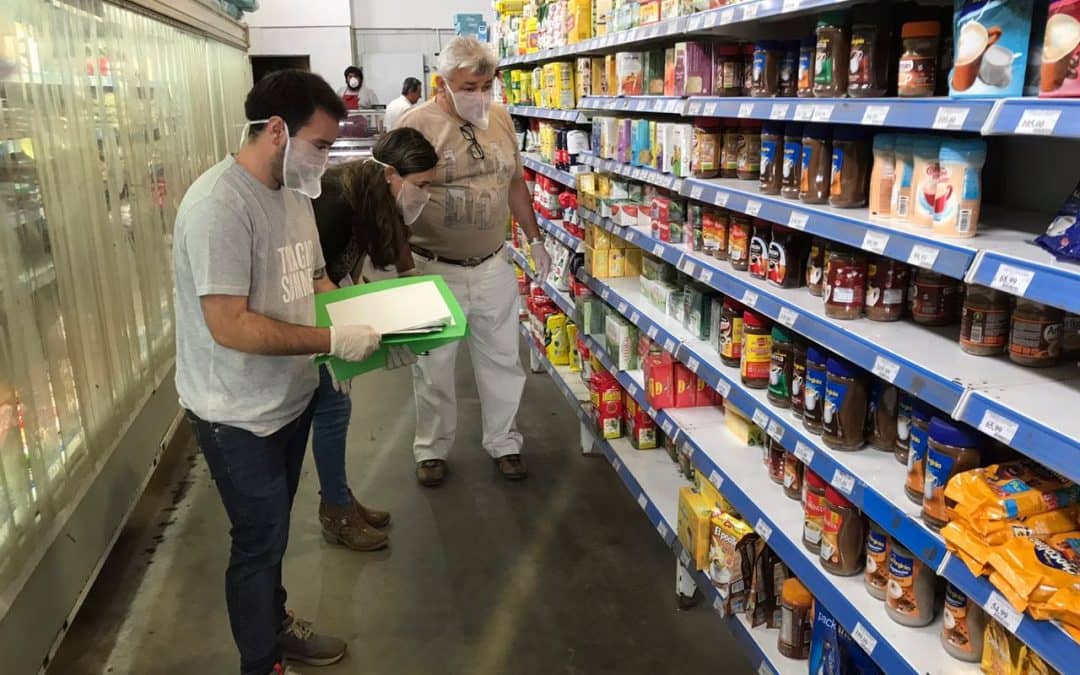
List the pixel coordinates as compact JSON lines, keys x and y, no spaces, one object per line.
{"x":300,"y":643}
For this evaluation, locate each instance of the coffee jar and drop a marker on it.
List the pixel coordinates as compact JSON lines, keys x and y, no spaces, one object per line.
{"x":850,"y":170}
{"x":781,"y":367}
{"x":772,"y":150}
{"x":984,"y":321}
{"x":814,"y":388}
{"x":807,"y":53}
{"x":832,"y":53}
{"x":815,"y":267}
{"x":844,"y":416}
{"x":731,"y":332}
{"x":765,"y":74}
{"x":881,"y":414}
{"x":917,"y":447}
{"x":791,"y":163}
{"x":910,"y":594}
{"x":845,"y":283}
{"x":727,"y":70}
{"x":1035,"y":334}
{"x":756,"y":350}
{"x":798,"y":376}
{"x":952,"y":449}
{"x":876,"y":575}
{"x":815,"y":181}
{"x":814,"y":508}
{"x":868,"y":60}
{"x":887,"y":283}
{"x":843,"y":537}
{"x":918,"y":62}
{"x":936,"y":301}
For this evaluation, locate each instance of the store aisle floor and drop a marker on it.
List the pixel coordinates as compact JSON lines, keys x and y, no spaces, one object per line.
{"x":560,"y":573}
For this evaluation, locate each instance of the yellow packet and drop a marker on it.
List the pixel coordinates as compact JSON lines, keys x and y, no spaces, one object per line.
{"x":1032,"y":664}
{"x":1001,"y":651}
{"x":1009,"y":490}
{"x":1037,"y":567}
{"x":1064,"y":605}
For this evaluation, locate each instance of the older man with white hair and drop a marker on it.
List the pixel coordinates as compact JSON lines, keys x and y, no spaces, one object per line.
{"x":478,"y":186}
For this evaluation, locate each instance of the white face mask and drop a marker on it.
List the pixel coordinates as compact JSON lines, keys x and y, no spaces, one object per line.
{"x":304,"y":164}
{"x":354,"y":83}
{"x":472,"y":106}
{"x":411,"y":199}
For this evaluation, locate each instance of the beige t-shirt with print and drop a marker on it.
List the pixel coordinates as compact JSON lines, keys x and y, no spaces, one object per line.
{"x":468,"y":213}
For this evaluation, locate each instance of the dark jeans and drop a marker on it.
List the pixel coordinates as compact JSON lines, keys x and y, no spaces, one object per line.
{"x":330,"y":427}
{"x":256,"y":478}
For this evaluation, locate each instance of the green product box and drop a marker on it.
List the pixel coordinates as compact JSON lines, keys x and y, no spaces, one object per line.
{"x":621,"y":338}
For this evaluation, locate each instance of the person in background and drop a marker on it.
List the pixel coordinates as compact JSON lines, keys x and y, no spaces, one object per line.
{"x":364,"y":212}
{"x":247,"y":261}
{"x":478,"y":185}
{"x":410,"y":94}
{"x":355,"y":95}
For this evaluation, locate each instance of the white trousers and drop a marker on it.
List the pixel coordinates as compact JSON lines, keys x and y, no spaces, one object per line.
{"x":489,"y":298}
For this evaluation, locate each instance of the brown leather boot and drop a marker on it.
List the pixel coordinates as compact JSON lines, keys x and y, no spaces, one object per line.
{"x":345,"y":526}
{"x":372,"y":517}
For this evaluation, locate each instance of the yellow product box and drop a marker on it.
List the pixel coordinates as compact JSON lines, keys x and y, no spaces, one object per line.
{"x":532,"y":34}
{"x":633,"y":262}
{"x":571,"y":340}
{"x":563,"y":91}
{"x":579,"y":21}
{"x":740,"y":426}
{"x":555,"y":343}
{"x":602,"y":10}
{"x":611,"y":72}
{"x":648,"y":12}
{"x":603,"y":185}
{"x":713,"y":497}
{"x":583,"y":77}
{"x":669,"y":9}
{"x":695,"y":516}
{"x":601,"y":238}
{"x":586,"y":183}
{"x":596,"y":262}
{"x":616,"y":263}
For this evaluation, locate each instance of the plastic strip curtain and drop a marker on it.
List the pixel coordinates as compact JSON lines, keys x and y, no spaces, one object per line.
{"x":106,"y":117}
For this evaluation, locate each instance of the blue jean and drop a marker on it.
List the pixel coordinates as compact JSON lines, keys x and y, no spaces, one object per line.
{"x":257,"y":479}
{"x":330,"y":427}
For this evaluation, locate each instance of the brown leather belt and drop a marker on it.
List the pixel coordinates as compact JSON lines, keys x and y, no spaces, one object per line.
{"x":467,"y":262}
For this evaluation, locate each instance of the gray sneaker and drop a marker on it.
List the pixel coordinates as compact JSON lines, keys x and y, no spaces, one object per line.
{"x":300,"y":643}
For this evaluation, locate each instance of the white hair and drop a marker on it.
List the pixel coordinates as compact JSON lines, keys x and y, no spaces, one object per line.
{"x":467,"y":53}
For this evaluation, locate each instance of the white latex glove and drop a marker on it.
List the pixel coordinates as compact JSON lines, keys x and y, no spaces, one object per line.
{"x":353,"y":343}
{"x":399,"y":356}
{"x":541,"y":260}
{"x":340,"y":386}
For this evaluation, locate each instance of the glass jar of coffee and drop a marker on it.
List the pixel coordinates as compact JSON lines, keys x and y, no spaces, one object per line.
{"x":845,"y":283}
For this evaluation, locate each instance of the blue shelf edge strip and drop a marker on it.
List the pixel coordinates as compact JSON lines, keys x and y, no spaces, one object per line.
{"x":565,"y":177}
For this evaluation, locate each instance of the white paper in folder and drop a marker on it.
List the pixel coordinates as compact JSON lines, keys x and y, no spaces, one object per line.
{"x":414,"y":308}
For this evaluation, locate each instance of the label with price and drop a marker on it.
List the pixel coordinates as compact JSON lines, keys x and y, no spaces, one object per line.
{"x":633,"y":390}
{"x":693,"y":365}
{"x":746,"y":109}
{"x":950,"y":118}
{"x":1012,"y":279}
{"x":684,"y":558}
{"x":749,"y":298}
{"x":763,"y":667}
{"x":804,"y":452}
{"x":723,"y":387}
{"x":721,"y":199}
{"x":616,"y":464}
{"x":791,"y":5}
{"x":763,"y":529}
{"x":705,"y":275}
{"x":875,"y":114}
{"x":788,"y":316}
{"x":694,"y":109}
{"x":652,"y":332}
{"x":749,"y":11}
{"x":643,"y":501}
{"x":631,"y":236}
{"x":674,"y":183}
{"x":635,"y":317}
{"x":1002,"y":612}
{"x":803,"y":112}
{"x":864,"y":639}
{"x":761,"y":418}
{"x":662,"y":529}
{"x":669,"y":346}
{"x":822,"y":112}
{"x":843,"y":481}
{"x":776,"y":431}
{"x":667,"y":427}
{"x":696,"y":192}
{"x":673,"y":106}
{"x":886,"y":369}
{"x":996,"y":426}
{"x":605,"y":294}
{"x":779,"y":111}
{"x":622,"y":308}
{"x":797,"y":220}
{"x":709,"y":110}
{"x":695,"y":22}
{"x":658,"y":250}
{"x":753,"y":207}
{"x":923,"y":256}
{"x":875,"y":241}
{"x":727,"y":16}
{"x":712,"y":19}
{"x":1038,"y":122}
{"x":716,"y":479}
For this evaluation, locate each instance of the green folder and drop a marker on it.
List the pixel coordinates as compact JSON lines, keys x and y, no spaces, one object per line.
{"x":419,"y":343}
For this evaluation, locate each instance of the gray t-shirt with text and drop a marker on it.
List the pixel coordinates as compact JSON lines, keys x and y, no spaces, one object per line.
{"x":235,"y":236}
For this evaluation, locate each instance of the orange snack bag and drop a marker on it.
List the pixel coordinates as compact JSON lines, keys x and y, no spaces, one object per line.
{"x":1001,"y":651}
{"x":1064,"y":605}
{"x":1006,"y":491}
{"x":1036,"y":568}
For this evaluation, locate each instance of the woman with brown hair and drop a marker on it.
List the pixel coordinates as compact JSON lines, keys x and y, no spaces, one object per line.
{"x":363,"y":214}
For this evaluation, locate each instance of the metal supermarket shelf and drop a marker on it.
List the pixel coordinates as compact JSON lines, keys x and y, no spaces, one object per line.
{"x":571,"y":115}
{"x":561,"y":298}
{"x":560,"y":234}
{"x":533,"y":161}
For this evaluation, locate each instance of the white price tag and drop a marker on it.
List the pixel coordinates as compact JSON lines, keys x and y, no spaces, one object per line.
{"x":718,"y":605}
{"x":842,"y":481}
{"x":727,"y":16}
{"x":864,"y":639}
{"x":711,"y":19}
{"x":776,"y":431}
{"x":605,"y":294}
{"x":651,"y":332}
{"x":631,"y":236}
{"x":750,"y":11}
{"x":803,"y":112}
{"x":923,"y":256}
{"x":791,"y":5}
{"x":616,"y":464}
{"x":763,"y":667}
{"x":746,"y":109}
{"x":633,"y":390}
{"x":749,"y":298}
{"x":709,"y":109}
{"x":667,"y":427}
{"x":684,"y":558}
{"x":642,"y":500}
{"x":822,"y":112}
{"x":696,"y":192}
{"x":950,"y":118}
{"x":1012,"y":279}
{"x":658,"y":250}
{"x":1001,"y":428}
{"x":875,"y":241}
{"x":797,"y":220}
{"x":672,"y":105}
{"x":669,"y":346}
{"x":753,"y":207}
{"x":688,"y":266}
{"x":804,"y":452}
{"x":673,"y":183}
{"x":622,"y":308}
{"x":723,"y":387}
{"x":1038,"y":122}
{"x":788,"y":316}
{"x":761,"y":418}
{"x":721,"y":199}
{"x":763,"y":529}
{"x":716,"y":479}
{"x":886,"y":369}
{"x":662,"y":529}
{"x":695,"y":22}
{"x":705,"y":275}
{"x":1003,"y":612}
{"x":875,"y":114}
{"x":635,"y":317}
{"x":779,"y":111}
{"x":693,"y":365}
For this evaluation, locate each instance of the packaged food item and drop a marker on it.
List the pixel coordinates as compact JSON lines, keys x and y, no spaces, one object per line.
{"x":903,"y":428}
{"x":814,"y":508}
{"x":793,"y":476}
{"x":920,"y":442}
{"x":1037,"y":568}
{"x":1061,"y":50}
{"x":843,"y":536}
{"x":796,"y":624}
{"x":1001,"y":651}
{"x":731,"y":561}
{"x":1070,"y":339}
{"x":814,"y":390}
{"x":882,"y":175}
{"x":765,"y":73}
{"x":756,"y":350}
{"x":761,"y":601}
{"x":642,"y":430}
{"x":621,"y":338}
{"x":937,"y":299}
{"x":748,"y":68}
{"x":660,"y":379}
{"x":887,"y":283}
{"x":926,"y":169}
{"x":759,"y":249}
{"x":881,"y":415}
{"x":556,"y":345}
{"x":695,"y":520}
{"x":731,"y":332}
{"x":903,"y":158}
{"x":1035,"y":334}
{"x":774,"y":460}
{"x":739,"y":241}
{"x":772,"y":142}
{"x":654,"y":72}
{"x":714,"y":225}
{"x":816,"y":171}
{"x":807,"y":53}
{"x":832,"y":56}
{"x":786,"y":256}
{"x":844,"y":416}
{"x":781,"y":366}
{"x":669,"y":72}
{"x":789,"y":69}
{"x":607,"y":404}
{"x":876,"y":575}
{"x":959,"y":187}
{"x":748,"y":157}
{"x":953,"y":448}
{"x":798,"y":376}
{"x":963,"y":626}
{"x":991,"y":50}
{"x":706,"y":151}
{"x":815,"y":267}
{"x":685,"y":386}
{"x":868,"y":60}
{"x":984,"y":321}
{"x":1006,"y":491}
{"x":693,"y":68}
{"x":845,"y":283}
{"x":910,"y":594}
{"x":850,"y":171}
{"x":727,"y":70}
{"x":919,"y":59}
{"x":791,"y":162}
{"x":729,"y":153}
{"x":825,"y":654}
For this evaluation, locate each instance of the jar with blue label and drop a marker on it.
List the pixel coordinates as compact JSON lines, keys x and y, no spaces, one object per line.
{"x":903,"y":428}
{"x":791,"y":167}
{"x":852,"y":158}
{"x":765,"y":74}
{"x":806,"y":66}
{"x":952,"y":449}
{"x":772,"y":149}
{"x":909,"y":596}
{"x":843,"y":418}
{"x":814,"y":388}
{"x":919,"y":440}
{"x":816,"y":171}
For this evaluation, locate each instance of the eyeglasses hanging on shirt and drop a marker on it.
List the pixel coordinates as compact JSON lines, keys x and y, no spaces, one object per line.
{"x":469,"y":134}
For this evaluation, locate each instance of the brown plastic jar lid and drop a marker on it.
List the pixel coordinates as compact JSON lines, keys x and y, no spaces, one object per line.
{"x":916,"y":29}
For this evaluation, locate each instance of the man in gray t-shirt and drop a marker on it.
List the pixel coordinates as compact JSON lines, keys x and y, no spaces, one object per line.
{"x":247,"y":263}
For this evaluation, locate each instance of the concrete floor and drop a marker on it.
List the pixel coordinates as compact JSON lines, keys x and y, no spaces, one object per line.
{"x":560,"y":573}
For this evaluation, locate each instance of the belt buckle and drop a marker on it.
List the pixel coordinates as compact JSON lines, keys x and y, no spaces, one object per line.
{"x":473,"y":262}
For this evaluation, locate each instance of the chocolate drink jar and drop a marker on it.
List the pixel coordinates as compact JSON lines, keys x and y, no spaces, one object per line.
{"x":814,"y":388}
{"x":844,"y":415}
{"x":844,"y":533}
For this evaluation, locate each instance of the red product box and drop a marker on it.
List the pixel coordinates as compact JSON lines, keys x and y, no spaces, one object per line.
{"x":704,"y":395}
{"x":661,"y":231}
{"x":660,"y":380}
{"x":639,"y":426}
{"x":607,"y":400}
{"x":685,"y":386}
{"x":661,"y":209}
{"x":644,"y":346}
